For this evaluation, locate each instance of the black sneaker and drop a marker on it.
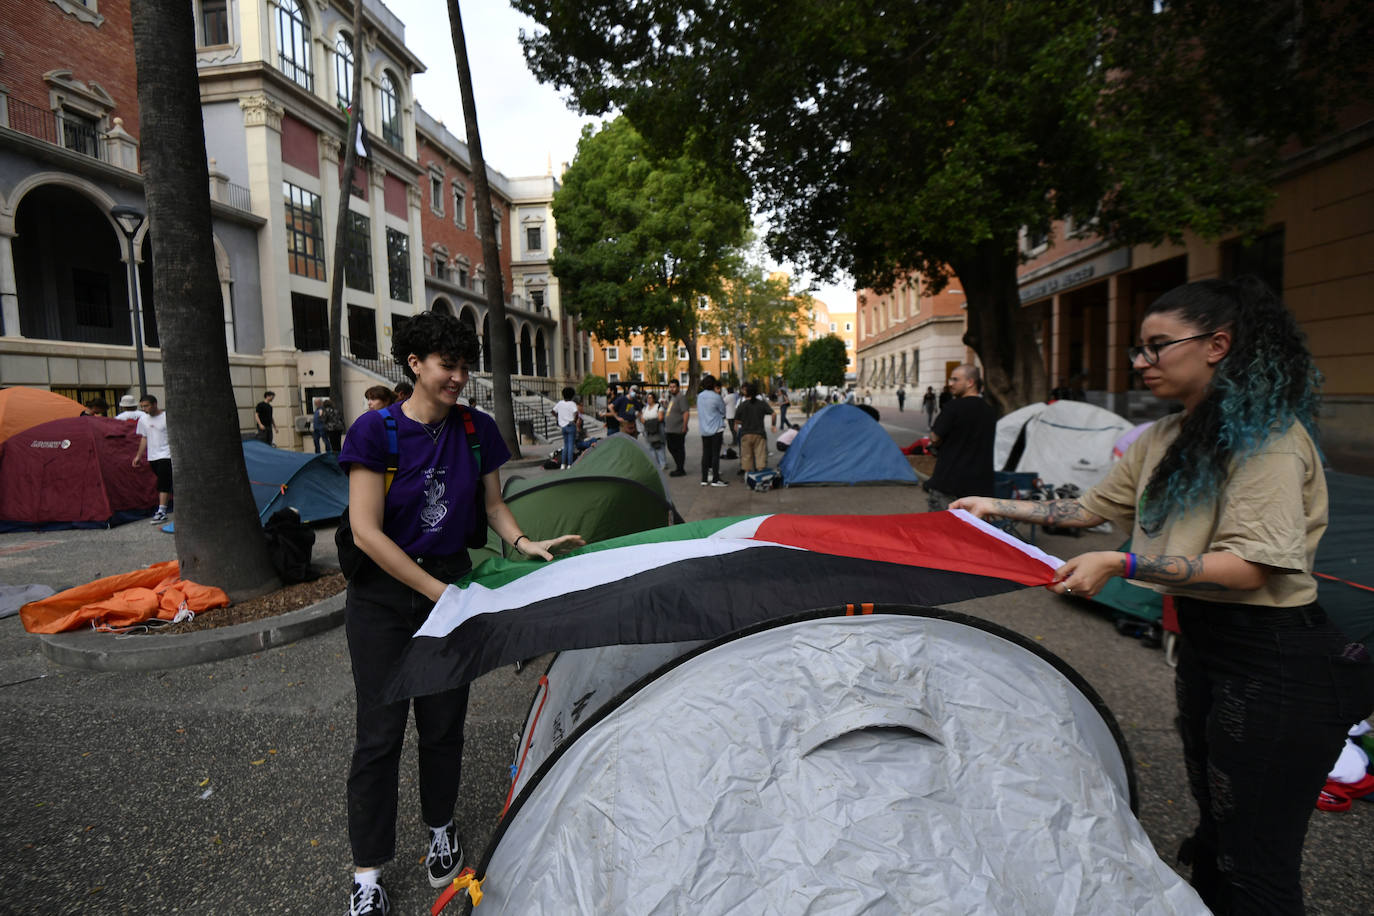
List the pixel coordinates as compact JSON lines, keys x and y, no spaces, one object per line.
{"x":368,"y":900}
{"x":445,"y":857}
{"x":677,"y":473}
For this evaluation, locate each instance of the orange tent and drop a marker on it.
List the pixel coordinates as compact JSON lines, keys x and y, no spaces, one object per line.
{"x":121,"y":601}
{"x":21,"y":408}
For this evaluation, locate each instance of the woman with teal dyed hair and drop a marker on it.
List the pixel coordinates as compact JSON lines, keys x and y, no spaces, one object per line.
{"x":1226,"y":502}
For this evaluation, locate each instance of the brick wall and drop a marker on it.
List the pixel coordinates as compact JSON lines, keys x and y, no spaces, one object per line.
{"x":40,"y":36}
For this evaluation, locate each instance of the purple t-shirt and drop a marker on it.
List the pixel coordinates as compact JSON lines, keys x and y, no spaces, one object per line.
{"x":432,"y":504}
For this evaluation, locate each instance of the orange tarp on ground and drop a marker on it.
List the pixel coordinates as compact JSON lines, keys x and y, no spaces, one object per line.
{"x":121,"y":601}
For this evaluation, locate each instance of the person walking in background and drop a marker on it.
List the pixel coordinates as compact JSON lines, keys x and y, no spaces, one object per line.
{"x":152,"y":428}
{"x":711,"y":419}
{"x":128,"y":409}
{"x":675,"y":427}
{"x":753,"y":436}
{"x":901,"y":400}
{"x":652,"y":418}
{"x":608,"y":415}
{"x":784,"y":402}
{"x":565,"y":414}
{"x":1226,"y":503}
{"x":317,"y":428}
{"x":928,"y":404}
{"x":414,"y":535}
{"x":946,"y":395}
{"x":963,"y":436}
{"x":379,"y":396}
{"x":333,"y":424}
{"x":263,"y":415}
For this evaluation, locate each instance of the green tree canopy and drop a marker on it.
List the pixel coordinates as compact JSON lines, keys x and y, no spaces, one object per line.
{"x":641,"y":238}
{"x":886,"y":136}
{"x":755,"y":309}
{"x":820,"y":362}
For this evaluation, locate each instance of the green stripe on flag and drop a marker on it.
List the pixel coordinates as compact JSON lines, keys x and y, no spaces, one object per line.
{"x":496,"y":572}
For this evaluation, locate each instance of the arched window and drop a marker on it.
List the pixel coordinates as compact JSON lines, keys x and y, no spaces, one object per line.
{"x":343,"y":69}
{"x":391,"y":113}
{"x":293,"y":39}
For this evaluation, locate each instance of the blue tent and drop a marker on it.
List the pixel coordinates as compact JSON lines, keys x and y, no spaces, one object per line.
{"x":843,"y":445}
{"x":314,"y":485}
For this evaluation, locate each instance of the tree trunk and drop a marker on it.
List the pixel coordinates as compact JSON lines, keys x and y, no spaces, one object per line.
{"x":1000,"y":331}
{"x":219,"y":538}
{"x":503,"y":407}
{"x":350,"y":162}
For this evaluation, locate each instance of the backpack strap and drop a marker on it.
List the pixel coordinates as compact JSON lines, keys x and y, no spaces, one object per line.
{"x":470,"y":430}
{"x":393,"y":457}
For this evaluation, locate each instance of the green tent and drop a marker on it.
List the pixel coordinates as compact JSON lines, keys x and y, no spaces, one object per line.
{"x":614,"y":489}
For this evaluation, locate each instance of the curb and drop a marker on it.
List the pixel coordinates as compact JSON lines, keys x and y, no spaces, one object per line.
{"x":103,"y":652}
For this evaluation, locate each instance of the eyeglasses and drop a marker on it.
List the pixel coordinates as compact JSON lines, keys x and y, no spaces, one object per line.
{"x":1151,"y":350}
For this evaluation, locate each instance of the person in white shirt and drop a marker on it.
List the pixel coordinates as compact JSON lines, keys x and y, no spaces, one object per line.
{"x":565,"y":413}
{"x":128,"y":409}
{"x":732,"y":399}
{"x":152,"y":426}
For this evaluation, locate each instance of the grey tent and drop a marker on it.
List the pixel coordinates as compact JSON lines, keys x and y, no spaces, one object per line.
{"x":909,"y":760}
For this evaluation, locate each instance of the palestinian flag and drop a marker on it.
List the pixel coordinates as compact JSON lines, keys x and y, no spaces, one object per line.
{"x":705,"y":579}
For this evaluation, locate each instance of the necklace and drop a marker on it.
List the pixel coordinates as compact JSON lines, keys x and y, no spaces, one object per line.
{"x":434,"y":429}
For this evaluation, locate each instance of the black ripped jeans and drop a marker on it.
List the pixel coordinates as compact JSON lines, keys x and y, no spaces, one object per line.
{"x":1265,"y":698}
{"x":380,"y":617}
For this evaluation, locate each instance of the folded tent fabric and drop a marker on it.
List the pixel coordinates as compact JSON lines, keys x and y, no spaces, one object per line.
{"x":121,"y":600}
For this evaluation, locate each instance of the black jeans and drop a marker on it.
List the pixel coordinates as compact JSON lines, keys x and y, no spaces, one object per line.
{"x":380,"y":616}
{"x":710,"y":456}
{"x":677,"y":447}
{"x":1265,"y":698}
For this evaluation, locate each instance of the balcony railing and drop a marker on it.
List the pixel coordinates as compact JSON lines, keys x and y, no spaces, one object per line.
{"x":50,"y":127}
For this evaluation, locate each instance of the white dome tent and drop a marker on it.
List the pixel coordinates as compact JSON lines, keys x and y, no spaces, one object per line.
{"x":886,"y":759}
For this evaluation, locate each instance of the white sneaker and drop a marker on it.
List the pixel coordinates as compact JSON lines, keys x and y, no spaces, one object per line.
{"x":159,"y":516}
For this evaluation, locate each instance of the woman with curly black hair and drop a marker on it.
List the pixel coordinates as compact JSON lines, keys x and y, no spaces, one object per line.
{"x":1227,"y":501}
{"x":418,"y":472}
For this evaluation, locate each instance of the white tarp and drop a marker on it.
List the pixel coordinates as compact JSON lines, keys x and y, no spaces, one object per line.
{"x":889,"y":763}
{"x":1069,"y":442}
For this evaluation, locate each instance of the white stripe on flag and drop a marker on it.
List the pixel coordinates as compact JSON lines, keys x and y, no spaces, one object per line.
{"x":1029,"y":550}
{"x":570,"y":575}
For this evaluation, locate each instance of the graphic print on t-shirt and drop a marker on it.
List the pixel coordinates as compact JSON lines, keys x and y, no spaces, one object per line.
{"x":436,"y":507}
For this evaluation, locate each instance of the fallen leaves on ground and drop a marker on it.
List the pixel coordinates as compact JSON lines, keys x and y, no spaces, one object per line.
{"x":288,"y":598}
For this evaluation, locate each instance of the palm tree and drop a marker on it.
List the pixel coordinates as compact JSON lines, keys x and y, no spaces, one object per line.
{"x":336,"y":278}
{"x":501,"y":355}
{"x":219,"y":539}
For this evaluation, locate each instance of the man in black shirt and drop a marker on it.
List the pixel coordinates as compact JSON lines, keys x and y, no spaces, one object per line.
{"x":263,"y":414}
{"x":963,"y":435}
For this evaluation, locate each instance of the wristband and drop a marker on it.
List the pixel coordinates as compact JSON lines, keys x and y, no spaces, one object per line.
{"x":1130,"y":566}
{"x":516,"y":543}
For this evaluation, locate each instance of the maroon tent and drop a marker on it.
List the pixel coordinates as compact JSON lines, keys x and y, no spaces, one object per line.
{"x":74,"y":473}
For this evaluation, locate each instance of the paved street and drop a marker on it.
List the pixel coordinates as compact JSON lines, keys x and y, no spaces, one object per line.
{"x":218,"y":788}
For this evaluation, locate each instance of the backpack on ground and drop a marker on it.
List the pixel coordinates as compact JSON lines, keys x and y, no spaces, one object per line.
{"x":761,"y":481}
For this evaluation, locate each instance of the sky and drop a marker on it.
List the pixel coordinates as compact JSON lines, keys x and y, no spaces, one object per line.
{"x":526,"y":126}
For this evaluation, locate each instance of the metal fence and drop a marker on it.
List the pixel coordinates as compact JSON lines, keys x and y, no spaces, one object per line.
{"x":47,"y":125}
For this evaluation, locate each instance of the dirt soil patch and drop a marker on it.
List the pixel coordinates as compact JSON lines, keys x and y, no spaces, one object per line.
{"x":289,"y":598}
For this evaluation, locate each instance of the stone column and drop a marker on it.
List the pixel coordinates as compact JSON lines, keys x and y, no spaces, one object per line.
{"x":9,"y":289}
{"x":262,"y":135}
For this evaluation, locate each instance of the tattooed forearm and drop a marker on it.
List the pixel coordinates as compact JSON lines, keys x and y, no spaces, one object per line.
{"x":1065,"y":513}
{"x":1180,"y":572}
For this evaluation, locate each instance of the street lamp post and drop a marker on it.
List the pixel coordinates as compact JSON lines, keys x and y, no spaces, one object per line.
{"x":129,"y":219}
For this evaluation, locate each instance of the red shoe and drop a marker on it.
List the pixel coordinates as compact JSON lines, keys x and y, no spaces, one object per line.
{"x":1333,"y":797}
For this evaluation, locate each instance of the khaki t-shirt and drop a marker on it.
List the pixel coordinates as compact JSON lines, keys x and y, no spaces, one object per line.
{"x":1271,"y":511}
